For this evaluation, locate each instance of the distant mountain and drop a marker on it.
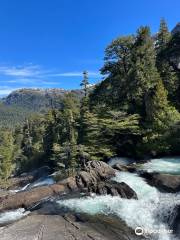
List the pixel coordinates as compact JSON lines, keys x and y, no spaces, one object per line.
{"x":38,"y":100}
{"x":22,"y":103}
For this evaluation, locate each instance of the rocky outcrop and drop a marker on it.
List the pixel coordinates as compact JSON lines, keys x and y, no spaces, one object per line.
{"x":94,"y":172}
{"x":74,"y":227}
{"x":124,"y":168}
{"x":163,"y":182}
{"x":94,"y":178}
{"x":27,"y":199}
{"x":114,"y":189}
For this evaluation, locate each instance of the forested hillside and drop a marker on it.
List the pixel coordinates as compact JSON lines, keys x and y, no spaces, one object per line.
{"x":23,"y":103}
{"x":134,"y":111}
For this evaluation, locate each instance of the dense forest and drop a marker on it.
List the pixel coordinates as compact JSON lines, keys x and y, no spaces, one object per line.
{"x":23,"y":103}
{"x":134,"y":111}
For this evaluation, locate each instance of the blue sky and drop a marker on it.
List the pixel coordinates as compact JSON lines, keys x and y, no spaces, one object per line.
{"x":48,"y":43}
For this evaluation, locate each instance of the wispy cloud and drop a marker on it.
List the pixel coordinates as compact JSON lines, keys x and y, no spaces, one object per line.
{"x":75,"y":74}
{"x":36,"y":71}
{"x":26,"y":76}
{"x":20,"y":71}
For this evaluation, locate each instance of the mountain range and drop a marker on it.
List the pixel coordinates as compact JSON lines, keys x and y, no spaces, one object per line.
{"x":22,"y":103}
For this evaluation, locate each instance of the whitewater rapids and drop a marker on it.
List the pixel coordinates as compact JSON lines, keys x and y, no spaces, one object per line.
{"x":150,"y":211}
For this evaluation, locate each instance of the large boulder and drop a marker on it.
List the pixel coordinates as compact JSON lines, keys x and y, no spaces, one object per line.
{"x":163,"y":182}
{"x":94,"y":172}
{"x":28,"y":199}
{"x":114,"y":189}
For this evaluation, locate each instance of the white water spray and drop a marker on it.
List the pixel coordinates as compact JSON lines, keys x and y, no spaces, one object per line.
{"x":11,"y":216}
{"x":148,"y":212}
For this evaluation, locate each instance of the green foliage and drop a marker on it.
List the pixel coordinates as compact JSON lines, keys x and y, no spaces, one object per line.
{"x":85,"y":82}
{"x":148,"y":85}
{"x":132,"y":112}
{"x":113,"y":90}
{"x":143,"y":74}
{"x":168,"y":74}
{"x":161,"y":116}
{"x":24,"y":103}
{"x":10,"y":116}
{"x":6,"y":153}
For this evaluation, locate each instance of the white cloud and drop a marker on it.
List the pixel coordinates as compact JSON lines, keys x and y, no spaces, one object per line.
{"x":75,"y":74}
{"x":29,"y":71}
{"x":20,"y":71}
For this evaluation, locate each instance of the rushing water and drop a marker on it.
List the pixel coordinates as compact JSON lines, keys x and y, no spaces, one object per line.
{"x":163,"y":165}
{"x":152,"y":211}
{"x":40,"y":182}
{"x":11,"y":216}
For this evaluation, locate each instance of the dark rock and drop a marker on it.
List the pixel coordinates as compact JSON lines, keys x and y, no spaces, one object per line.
{"x":40,"y":172}
{"x":94,"y":172}
{"x":176,"y":221}
{"x":164,"y":182}
{"x":124,"y":168}
{"x":114,"y":189}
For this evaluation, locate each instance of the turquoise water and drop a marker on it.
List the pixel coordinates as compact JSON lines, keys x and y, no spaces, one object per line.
{"x":136,"y":213}
{"x":169,"y":165}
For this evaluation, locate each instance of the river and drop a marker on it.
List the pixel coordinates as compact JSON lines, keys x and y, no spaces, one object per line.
{"x":152,"y":212}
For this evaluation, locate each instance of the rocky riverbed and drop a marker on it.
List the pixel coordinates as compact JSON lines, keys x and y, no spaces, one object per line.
{"x":101,"y":202}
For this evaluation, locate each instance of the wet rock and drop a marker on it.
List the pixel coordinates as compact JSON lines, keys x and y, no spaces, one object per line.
{"x":163,"y":182}
{"x":27,"y":199}
{"x":81,"y":227}
{"x":114,"y":189}
{"x":124,"y":168}
{"x":93,"y":178}
{"x":176,"y":221}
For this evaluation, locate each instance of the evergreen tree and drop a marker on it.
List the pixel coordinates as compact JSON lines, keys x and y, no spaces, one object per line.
{"x":64,"y":147}
{"x":160,"y":117}
{"x":163,"y":37}
{"x":113,"y":90}
{"x":6,"y":154}
{"x":143,"y":74}
{"x":172,"y":54}
{"x":167,"y":73}
{"x":85,"y":83}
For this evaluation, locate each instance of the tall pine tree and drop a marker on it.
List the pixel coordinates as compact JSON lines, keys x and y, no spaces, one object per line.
{"x":167,"y":73}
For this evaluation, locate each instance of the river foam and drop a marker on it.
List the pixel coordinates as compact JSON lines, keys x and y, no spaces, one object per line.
{"x":163,"y":165}
{"x":11,"y":216}
{"x":149,"y":212}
